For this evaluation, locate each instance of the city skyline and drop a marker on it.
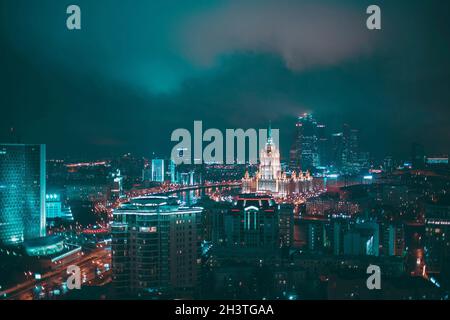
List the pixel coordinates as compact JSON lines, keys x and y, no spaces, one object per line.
{"x":224,"y":150}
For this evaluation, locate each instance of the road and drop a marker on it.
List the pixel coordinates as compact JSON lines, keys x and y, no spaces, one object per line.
{"x":94,"y":271}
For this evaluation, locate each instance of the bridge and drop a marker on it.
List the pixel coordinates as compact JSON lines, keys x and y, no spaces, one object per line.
{"x":172,"y":188}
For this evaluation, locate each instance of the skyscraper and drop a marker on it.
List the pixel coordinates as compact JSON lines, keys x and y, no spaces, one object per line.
{"x":53,"y":206}
{"x":173,"y":172}
{"x":350,"y":145}
{"x":158,"y":170}
{"x":155,"y":246}
{"x":271,"y":179}
{"x":304,"y":152}
{"x":437,"y":235}
{"x":336,"y":149}
{"x":323,"y":145}
{"x":345,"y":150}
{"x":269,"y":167}
{"x":418,"y":156}
{"x":22,"y":192}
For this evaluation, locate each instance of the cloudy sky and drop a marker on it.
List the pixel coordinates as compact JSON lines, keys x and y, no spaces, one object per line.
{"x":140,"y":69}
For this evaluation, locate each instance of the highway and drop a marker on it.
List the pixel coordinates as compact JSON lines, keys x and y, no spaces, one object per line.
{"x":94,"y":271}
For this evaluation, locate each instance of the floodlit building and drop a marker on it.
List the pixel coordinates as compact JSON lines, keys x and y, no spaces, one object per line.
{"x":156,"y":246}
{"x":22,"y":192}
{"x":55,"y":209}
{"x":271,"y":179}
{"x":437,"y":235}
{"x":158,"y":170}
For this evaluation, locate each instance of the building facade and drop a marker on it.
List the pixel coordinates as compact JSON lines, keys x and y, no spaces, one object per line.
{"x":158,"y":170}
{"x":156,"y":246}
{"x":304,"y":153}
{"x":271,"y":179}
{"x":22,"y":192}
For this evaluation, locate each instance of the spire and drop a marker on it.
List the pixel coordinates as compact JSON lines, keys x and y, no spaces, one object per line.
{"x":269,"y":133}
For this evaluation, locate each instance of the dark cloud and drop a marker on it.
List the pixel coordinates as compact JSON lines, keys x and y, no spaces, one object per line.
{"x":113,"y":88}
{"x":304,"y":33}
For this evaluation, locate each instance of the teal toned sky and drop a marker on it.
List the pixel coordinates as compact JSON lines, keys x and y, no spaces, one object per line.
{"x":137,"y":70}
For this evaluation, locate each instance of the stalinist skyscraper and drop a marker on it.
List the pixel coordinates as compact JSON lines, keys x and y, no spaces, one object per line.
{"x":270,"y":178}
{"x":269,"y":167}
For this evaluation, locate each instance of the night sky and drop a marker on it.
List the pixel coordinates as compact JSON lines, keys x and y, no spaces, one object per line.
{"x":140,"y":69}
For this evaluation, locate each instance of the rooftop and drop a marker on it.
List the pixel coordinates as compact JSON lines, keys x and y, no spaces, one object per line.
{"x":153,"y":205}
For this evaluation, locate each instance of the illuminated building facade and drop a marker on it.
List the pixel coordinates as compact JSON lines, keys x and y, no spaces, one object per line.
{"x":350,"y":148}
{"x":155,"y":246}
{"x":393,"y":239}
{"x":53,"y":206}
{"x":55,"y":209}
{"x":158,"y":170}
{"x":437,"y":235}
{"x":346,"y":155}
{"x":305,"y":149}
{"x":253,"y":222}
{"x":256,"y":221}
{"x":271,"y":179}
{"x":363,"y":239}
{"x":22,"y":192}
{"x":44,"y":246}
{"x":117,"y":185}
{"x":286,"y":224}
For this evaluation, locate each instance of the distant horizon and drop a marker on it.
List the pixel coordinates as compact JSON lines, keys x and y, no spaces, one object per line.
{"x":286,"y":140}
{"x":133,"y":74}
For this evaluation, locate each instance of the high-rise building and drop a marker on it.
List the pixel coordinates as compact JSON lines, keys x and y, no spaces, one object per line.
{"x":117,"y":185}
{"x":418,"y":157}
{"x":271,"y":179}
{"x":336,"y":229}
{"x":336,"y":149}
{"x":316,"y":234}
{"x":53,"y":206}
{"x":147,"y":173}
{"x":388,"y":164}
{"x":323,"y":145}
{"x":393,"y":236}
{"x":304,"y":152}
{"x":350,"y":147}
{"x":286,"y":224}
{"x":437,"y":235}
{"x":269,"y":167}
{"x":345,"y":154}
{"x":22,"y":192}
{"x":363,"y":239}
{"x":55,"y":209}
{"x":253,"y":223}
{"x":172,"y":170}
{"x":156,"y":246}
{"x":158,"y":170}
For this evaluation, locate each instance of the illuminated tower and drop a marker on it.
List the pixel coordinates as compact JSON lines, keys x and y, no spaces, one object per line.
{"x":117,"y":186}
{"x":304,"y":152}
{"x":269,"y":167}
{"x":158,"y":170}
{"x":350,"y":148}
{"x":22,"y":192}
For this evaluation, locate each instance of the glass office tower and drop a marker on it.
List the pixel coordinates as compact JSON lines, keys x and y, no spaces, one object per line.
{"x":158,"y":170}
{"x":22,"y":192}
